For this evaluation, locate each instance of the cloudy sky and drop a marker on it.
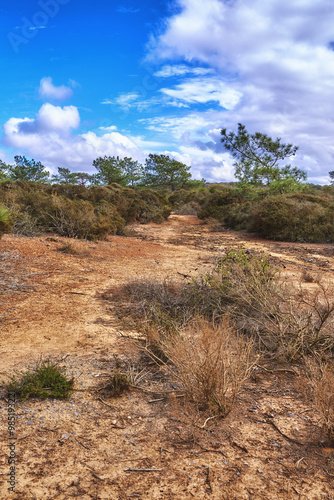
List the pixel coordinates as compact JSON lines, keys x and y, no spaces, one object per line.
{"x":82,"y":79}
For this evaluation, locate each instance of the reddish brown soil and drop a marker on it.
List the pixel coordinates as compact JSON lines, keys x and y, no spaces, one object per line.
{"x":268,"y":447}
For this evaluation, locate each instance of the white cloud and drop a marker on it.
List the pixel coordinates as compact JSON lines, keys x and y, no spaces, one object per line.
{"x":125,"y":101}
{"x":111,"y":128}
{"x":50,"y":138}
{"x":180,"y":70}
{"x":49,"y":91}
{"x":204,"y":90}
{"x":277,"y":58}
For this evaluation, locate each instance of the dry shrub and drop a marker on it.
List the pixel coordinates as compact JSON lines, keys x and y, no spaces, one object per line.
{"x":212,"y":362}
{"x":165,"y":306}
{"x":289,"y":322}
{"x":191,"y":208}
{"x":321,"y":378}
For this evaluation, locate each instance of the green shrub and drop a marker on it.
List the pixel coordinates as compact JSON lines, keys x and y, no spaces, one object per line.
{"x":299,"y":217}
{"x":5,"y":221}
{"x":45,"y":380}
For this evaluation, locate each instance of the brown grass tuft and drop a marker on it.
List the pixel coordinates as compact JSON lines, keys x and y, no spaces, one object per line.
{"x":212,"y":362}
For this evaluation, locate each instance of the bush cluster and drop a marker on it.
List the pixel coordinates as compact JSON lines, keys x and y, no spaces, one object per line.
{"x":303,"y":216}
{"x":76,"y":211}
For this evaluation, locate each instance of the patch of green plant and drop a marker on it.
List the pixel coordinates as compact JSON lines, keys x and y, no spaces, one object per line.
{"x":5,"y":221}
{"x":45,"y":380}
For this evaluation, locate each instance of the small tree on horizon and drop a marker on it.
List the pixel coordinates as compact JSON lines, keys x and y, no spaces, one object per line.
{"x":258,"y":157}
{"x":64,"y":176}
{"x":27,"y":170}
{"x":163,"y":171}
{"x":110,"y":170}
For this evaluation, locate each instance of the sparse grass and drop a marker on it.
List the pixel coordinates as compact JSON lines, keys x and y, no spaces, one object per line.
{"x":45,"y":380}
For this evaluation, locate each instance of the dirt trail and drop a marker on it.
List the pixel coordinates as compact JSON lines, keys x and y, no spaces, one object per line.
{"x":51,"y":305}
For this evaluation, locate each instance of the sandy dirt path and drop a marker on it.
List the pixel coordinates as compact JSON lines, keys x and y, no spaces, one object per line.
{"x":51,"y":306}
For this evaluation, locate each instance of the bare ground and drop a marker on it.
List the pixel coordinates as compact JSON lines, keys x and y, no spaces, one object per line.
{"x":144,"y":445}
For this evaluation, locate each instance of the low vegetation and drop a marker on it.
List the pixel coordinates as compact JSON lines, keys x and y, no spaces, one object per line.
{"x":45,"y":380}
{"x":208,"y":332}
{"x":212,"y":362}
{"x":5,"y":221}
{"x":76,"y":211}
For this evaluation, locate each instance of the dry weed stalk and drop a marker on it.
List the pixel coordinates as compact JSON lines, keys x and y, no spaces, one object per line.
{"x":212,"y":363}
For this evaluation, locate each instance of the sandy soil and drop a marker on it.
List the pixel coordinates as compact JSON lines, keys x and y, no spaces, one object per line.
{"x":142,"y":444}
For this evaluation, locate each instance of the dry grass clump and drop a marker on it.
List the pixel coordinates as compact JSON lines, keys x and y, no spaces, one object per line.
{"x":321,"y":378}
{"x":212,"y":362}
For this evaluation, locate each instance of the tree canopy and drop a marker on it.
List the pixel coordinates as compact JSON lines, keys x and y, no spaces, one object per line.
{"x":163,"y":171}
{"x":64,"y":176}
{"x":258,"y":157}
{"x":25,"y":170}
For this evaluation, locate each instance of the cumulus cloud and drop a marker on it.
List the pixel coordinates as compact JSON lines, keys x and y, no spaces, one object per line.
{"x":275,"y":58}
{"x":49,"y":91}
{"x":51,"y":138}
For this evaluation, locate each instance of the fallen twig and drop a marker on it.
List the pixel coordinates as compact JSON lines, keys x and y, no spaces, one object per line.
{"x":100,"y":399}
{"x":142,"y":470}
{"x":207,"y":420}
{"x":239,"y":445}
{"x":84,"y":446}
{"x":270,"y":422}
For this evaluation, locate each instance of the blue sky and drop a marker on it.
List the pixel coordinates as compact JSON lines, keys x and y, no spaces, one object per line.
{"x":82,"y":79}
